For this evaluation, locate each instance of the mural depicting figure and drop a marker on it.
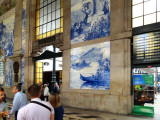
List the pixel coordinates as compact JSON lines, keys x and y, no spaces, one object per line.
{"x":7,"y":35}
{"x":6,"y":5}
{"x":90,"y":67}
{"x":90,"y":19}
{"x":9,"y":73}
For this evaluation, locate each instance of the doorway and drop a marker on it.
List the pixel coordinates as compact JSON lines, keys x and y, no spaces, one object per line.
{"x":146,"y":87}
{"x":46,"y":70}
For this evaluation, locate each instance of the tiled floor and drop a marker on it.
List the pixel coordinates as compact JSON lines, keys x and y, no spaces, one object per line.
{"x":81,"y":114}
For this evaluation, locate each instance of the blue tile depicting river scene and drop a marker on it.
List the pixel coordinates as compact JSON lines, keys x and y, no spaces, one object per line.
{"x":90,"y":67}
{"x":9,"y":73}
{"x":90,"y":19}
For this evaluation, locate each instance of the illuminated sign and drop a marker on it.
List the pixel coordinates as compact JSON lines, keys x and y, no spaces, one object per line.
{"x":146,"y":48}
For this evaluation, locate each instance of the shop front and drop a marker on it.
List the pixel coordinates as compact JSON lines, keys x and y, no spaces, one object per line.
{"x":145,"y":72}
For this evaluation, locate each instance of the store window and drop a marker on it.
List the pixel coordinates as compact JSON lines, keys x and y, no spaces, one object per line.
{"x":145,"y":12}
{"x":49,"y":18}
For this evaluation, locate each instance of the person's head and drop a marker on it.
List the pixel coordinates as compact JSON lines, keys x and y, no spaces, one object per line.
{"x":55,"y":84}
{"x":20,"y":84}
{"x":1,"y":89}
{"x":40,"y":83}
{"x":16,"y":89}
{"x":54,"y":100}
{"x":34,"y":91}
{"x":2,"y":95}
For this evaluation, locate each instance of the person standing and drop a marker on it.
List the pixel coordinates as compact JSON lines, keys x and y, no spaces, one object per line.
{"x":56,"y":88}
{"x":3,"y":106}
{"x":54,"y":99}
{"x":20,"y":100}
{"x":46,"y":92}
{"x":36,"y":109}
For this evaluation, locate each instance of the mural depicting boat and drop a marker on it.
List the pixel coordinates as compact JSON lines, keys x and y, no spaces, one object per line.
{"x":90,"y":67}
{"x":95,"y":78}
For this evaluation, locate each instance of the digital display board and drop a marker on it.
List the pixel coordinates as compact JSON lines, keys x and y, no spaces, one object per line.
{"x":146,"y":48}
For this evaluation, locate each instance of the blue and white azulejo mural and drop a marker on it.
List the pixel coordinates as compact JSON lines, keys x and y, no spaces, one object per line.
{"x":7,"y":35}
{"x":9,"y":73}
{"x":90,"y":19}
{"x":22,"y":70}
{"x":23,"y":26}
{"x":90,"y":67}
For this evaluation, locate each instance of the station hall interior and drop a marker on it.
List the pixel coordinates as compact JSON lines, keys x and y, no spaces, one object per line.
{"x":104,"y":54}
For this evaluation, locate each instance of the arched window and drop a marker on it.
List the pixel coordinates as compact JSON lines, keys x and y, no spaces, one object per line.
{"x":49,"y":18}
{"x":1,"y":69}
{"x":145,"y":12}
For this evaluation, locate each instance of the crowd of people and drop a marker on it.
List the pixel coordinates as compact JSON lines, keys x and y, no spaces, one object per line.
{"x":43,"y":105}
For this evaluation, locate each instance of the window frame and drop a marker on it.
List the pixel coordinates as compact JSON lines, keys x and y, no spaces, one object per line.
{"x":156,"y":12}
{"x":41,"y":34}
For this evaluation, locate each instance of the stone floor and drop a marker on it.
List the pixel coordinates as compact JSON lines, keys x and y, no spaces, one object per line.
{"x":81,"y":114}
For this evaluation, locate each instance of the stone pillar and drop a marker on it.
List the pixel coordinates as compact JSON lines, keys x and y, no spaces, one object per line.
{"x":18,"y":27}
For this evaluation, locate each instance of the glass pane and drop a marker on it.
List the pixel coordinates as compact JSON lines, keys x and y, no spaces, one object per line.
{"x":41,"y":70}
{"x":37,"y":31}
{"x":49,"y":17}
{"x":41,"y":12}
{"x":49,"y":27}
{"x":58,"y":13}
{"x":57,"y":4}
{"x":37,"y":14}
{"x":136,"y":1}
{"x":40,"y":30}
{"x":158,"y":17}
{"x":37,"y":22}
{"x":40,"y":75}
{"x":137,"y":10}
{"x":57,"y":23}
{"x":148,"y":19}
{"x":41,"y":20}
{"x":53,"y":16}
{"x":41,"y":1}
{"x":149,"y":7}
{"x":49,"y":8}
{"x":41,"y":5}
{"x":53,"y":25}
{"x":37,"y":76}
{"x":53,"y":6}
{"x":45,"y":3}
{"x":49,"y":1}
{"x":45,"y":10}
{"x":44,"y":28}
{"x":158,"y":5}
{"x":45,"y":19}
{"x":137,"y":22}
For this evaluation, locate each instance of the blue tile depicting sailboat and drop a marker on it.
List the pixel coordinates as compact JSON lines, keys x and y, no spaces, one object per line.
{"x":9,"y":73}
{"x":90,"y":67}
{"x":90,"y":19}
{"x":7,"y":35}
